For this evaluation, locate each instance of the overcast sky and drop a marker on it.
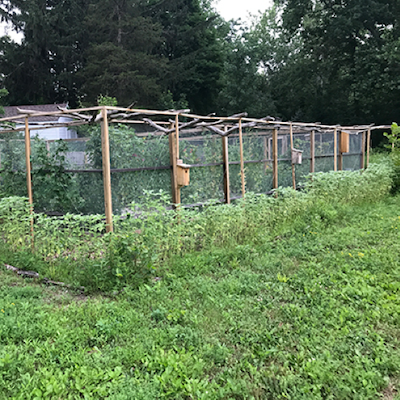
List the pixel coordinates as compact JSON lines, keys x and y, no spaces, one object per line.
{"x":230,"y":9}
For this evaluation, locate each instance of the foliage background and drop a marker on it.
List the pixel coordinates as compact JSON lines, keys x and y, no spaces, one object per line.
{"x":332,"y":62}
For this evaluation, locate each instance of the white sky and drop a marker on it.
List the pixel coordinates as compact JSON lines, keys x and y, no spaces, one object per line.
{"x":233,"y":9}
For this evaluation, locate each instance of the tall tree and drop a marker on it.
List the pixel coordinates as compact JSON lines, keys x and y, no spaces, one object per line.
{"x":122,"y":60}
{"x":133,"y":50}
{"x":347,"y":64}
{"x":42,"y":68}
{"x":193,"y":46}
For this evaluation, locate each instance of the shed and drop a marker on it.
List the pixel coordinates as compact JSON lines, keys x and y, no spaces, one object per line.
{"x":55,"y":133}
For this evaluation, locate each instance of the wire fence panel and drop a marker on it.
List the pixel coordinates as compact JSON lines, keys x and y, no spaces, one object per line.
{"x":200,"y":149}
{"x":67,"y":174}
{"x":257,"y":147}
{"x":140,"y":165}
{"x":13,"y":165}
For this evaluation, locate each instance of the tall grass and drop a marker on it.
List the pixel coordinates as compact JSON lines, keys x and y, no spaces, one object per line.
{"x":76,"y":249}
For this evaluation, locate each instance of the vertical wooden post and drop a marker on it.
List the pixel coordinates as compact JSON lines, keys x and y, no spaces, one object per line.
{"x":225,"y":157}
{"x":29,"y":174}
{"x":312,"y":152}
{"x":340,"y":153}
{"x":362,"y":161}
{"x":275,"y":158}
{"x":177,"y":135}
{"x":241,"y":158}
{"x":368,"y":144}
{"x":176,"y":195}
{"x":105,"y":151}
{"x":335,"y":149}
{"x":291,"y":156}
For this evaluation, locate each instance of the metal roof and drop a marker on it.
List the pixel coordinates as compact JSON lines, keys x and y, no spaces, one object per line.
{"x":11,"y":111}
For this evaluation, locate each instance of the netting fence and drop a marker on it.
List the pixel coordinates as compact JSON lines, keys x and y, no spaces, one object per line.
{"x":140,"y":165}
{"x":124,"y":157}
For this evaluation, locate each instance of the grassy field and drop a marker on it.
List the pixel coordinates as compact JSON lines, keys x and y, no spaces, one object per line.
{"x":311,"y":312}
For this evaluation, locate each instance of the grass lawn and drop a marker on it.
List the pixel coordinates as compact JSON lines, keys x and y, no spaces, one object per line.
{"x":312,"y":313}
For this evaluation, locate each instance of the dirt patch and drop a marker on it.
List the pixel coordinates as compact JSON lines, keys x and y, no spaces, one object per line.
{"x":390,"y":392}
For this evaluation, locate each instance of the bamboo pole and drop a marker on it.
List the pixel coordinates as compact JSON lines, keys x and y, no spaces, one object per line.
{"x":335,"y":149}
{"x":275,"y":158}
{"x":176,"y":198}
{"x":312,"y":152}
{"x":362,"y":161}
{"x":291,"y":154}
{"x":241,"y":158}
{"x":225,"y":157}
{"x":105,"y":150}
{"x":368,"y":144}
{"x":29,"y":175}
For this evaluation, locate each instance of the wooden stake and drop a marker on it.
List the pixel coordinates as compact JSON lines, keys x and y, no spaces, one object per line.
{"x":312,"y":152}
{"x":368,"y":144}
{"x":105,"y":150}
{"x":29,"y":174}
{"x":241,"y":158}
{"x":176,"y":194}
{"x":275,"y":158}
{"x":362,"y":161}
{"x":335,"y":150}
{"x":291,"y":152}
{"x":225,"y":157}
{"x":177,"y":135}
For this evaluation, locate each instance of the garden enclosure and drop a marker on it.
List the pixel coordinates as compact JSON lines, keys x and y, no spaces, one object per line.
{"x":193,"y":158}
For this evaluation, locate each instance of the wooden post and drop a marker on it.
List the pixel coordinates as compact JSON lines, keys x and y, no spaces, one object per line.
{"x":29,"y":174}
{"x":176,"y":194}
{"x":368,"y":144}
{"x":105,"y":151}
{"x":362,"y":161}
{"x":312,"y":152}
{"x":335,"y":149}
{"x":340,"y":154}
{"x":225,"y":157}
{"x":241,"y":158}
{"x":275,"y":158}
{"x":177,"y":135}
{"x":291,"y":157}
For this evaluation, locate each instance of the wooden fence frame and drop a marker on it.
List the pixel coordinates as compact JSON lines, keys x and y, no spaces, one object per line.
{"x":224,"y":126}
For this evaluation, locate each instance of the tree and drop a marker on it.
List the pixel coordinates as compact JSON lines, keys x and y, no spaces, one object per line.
{"x":348,"y":67}
{"x":42,"y":68}
{"x":137,"y":51}
{"x":122,"y":60}
{"x":192,"y":44}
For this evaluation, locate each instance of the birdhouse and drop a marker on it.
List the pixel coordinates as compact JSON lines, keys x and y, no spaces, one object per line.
{"x":182,"y":174}
{"x":344,"y":142}
{"x":297,"y":156}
